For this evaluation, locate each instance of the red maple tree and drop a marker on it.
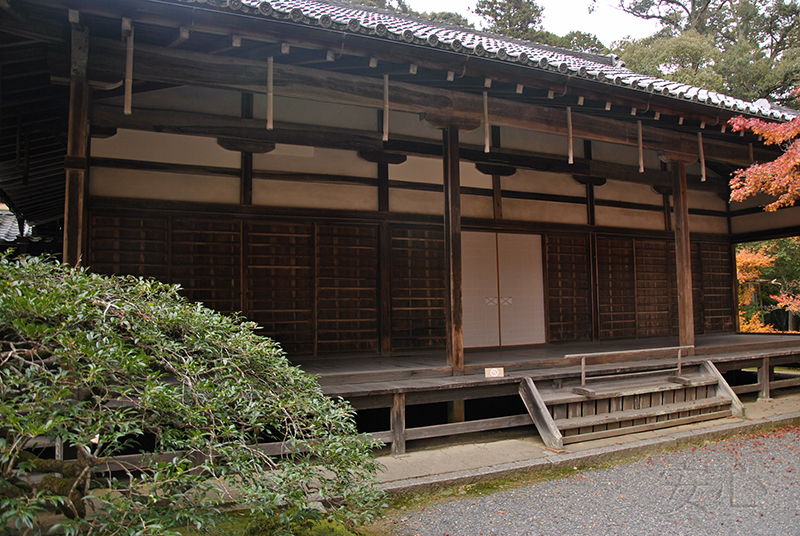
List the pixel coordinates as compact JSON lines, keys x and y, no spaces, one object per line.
{"x":779,"y":178}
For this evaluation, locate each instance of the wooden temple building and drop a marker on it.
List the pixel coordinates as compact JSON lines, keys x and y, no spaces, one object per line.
{"x":407,"y":207}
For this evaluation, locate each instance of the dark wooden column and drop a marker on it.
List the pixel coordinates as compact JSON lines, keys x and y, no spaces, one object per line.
{"x":385,"y":244}
{"x":497,"y":171}
{"x":76,"y":161}
{"x":683,"y":253}
{"x":452,"y":247}
{"x":246,"y":184}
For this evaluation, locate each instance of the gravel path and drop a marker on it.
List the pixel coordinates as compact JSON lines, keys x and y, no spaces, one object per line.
{"x":742,"y":486}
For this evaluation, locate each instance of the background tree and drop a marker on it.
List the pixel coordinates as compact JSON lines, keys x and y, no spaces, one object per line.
{"x":749,"y":49}
{"x":515,"y":18}
{"x":779,"y":178}
{"x":769,"y":285}
{"x":522,"y":19}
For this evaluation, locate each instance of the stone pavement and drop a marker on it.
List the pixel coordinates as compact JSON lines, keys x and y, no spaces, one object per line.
{"x":424,"y":470}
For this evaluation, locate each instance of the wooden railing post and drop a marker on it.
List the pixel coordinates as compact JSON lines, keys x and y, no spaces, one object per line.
{"x":398,"y":423}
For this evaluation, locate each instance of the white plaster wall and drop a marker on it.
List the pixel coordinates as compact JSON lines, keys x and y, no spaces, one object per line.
{"x":624,"y":154}
{"x":166,"y":148}
{"x":540,"y":182}
{"x":418,"y":169}
{"x":763,"y":221}
{"x":308,"y":112}
{"x":416,"y":202}
{"x":629,"y":192}
{"x":542,"y":211}
{"x":706,"y":201}
{"x":708,"y":224}
{"x":628,"y":218}
{"x":409,"y":124}
{"x":184,"y":99}
{"x":474,"y":206}
{"x":314,"y":195}
{"x":315,"y":160}
{"x":538,"y":142}
{"x":131,"y":183}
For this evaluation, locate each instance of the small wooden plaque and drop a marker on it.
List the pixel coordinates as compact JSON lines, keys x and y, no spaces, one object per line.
{"x":494,"y":372}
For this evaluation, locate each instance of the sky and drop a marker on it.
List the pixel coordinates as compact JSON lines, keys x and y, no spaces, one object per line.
{"x":607,"y":22}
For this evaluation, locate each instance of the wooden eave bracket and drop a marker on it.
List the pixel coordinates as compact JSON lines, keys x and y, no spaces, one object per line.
{"x":464,"y":124}
{"x":380,"y":157}
{"x":588,"y":179}
{"x":246,"y":146}
{"x":495,"y":169}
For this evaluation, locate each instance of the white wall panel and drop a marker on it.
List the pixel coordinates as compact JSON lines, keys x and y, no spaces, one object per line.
{"x":415,"y":202}
{"x":135,"y":184}
{"x":167,"y":148}
{"x":480,"y":304}
{"x":409,"y":124}
{"x":539,"y":142}
{"x":543,"y":211}
{"x":707,"y":201}
{"x":629,"y":218}
{"x":309,"y":112}
{"x":707,"y":224}
{"x":525,"y":180}
{"x":764,"y":221}
{"x":184,"y":99}
{"x":474,"y":206}
{"x":319,"y":161}
{"x":418,"y":169}
{"x":521,"y":289}
{"x":314,"y":195}
{"x":629,"y":192}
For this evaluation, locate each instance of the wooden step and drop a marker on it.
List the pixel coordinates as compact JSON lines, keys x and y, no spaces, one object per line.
{"x":612,"y":390}
{"x":632,"y":414}
{"x":646,"y":427}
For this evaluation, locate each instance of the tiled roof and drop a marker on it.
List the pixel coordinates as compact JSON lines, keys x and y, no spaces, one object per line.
{"x":353,"y":18}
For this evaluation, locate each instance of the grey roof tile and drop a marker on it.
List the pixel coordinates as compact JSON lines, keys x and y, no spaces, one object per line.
{"x":354,"y":18}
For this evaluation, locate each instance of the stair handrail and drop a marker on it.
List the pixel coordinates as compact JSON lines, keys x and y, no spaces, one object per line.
{"x":627,"y":352}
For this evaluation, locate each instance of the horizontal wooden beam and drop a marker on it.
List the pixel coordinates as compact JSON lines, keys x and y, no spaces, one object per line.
{"x":234,"y":128}
{"x":171,"y":66}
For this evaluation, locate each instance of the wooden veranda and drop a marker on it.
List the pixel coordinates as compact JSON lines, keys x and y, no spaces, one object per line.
{"x":631,"y":366}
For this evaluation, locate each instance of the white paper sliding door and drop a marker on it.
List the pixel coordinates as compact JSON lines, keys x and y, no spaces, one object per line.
{"x":479,"y":289}
{"x":503,"y":291}
{"x":521,"y":289}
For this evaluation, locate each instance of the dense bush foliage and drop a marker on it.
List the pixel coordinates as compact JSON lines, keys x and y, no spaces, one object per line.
{"x":114,"y":366}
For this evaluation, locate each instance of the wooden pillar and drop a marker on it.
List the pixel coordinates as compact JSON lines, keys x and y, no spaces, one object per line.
{"x":683,"y":253}
{"x":452,"y":244}
{"x":398,"y":423}
{"x":246,"y":184}
{"x":497,"y":172}
{"x":76,"y":161}
{"x":383,"y":160}
{"x":764,"y":377}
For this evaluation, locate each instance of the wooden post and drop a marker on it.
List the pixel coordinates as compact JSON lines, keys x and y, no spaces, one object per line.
{"x":683,"y":254}
{"x":383,"y":160}
{"x":385,"y":270}
{"x":497,"y":171}
{"x":452,"y":244}
{"x":246,"y":185}
{"x":456,"y":411}
{"x":398,"y":423}
{"x":764,"y":377}
{"x":76,"y":162}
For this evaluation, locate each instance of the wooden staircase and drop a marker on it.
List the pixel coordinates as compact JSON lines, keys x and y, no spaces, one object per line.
{"x":626,"y":403}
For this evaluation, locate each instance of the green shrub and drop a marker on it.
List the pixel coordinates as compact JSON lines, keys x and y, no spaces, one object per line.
{"x":109,"y":365}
